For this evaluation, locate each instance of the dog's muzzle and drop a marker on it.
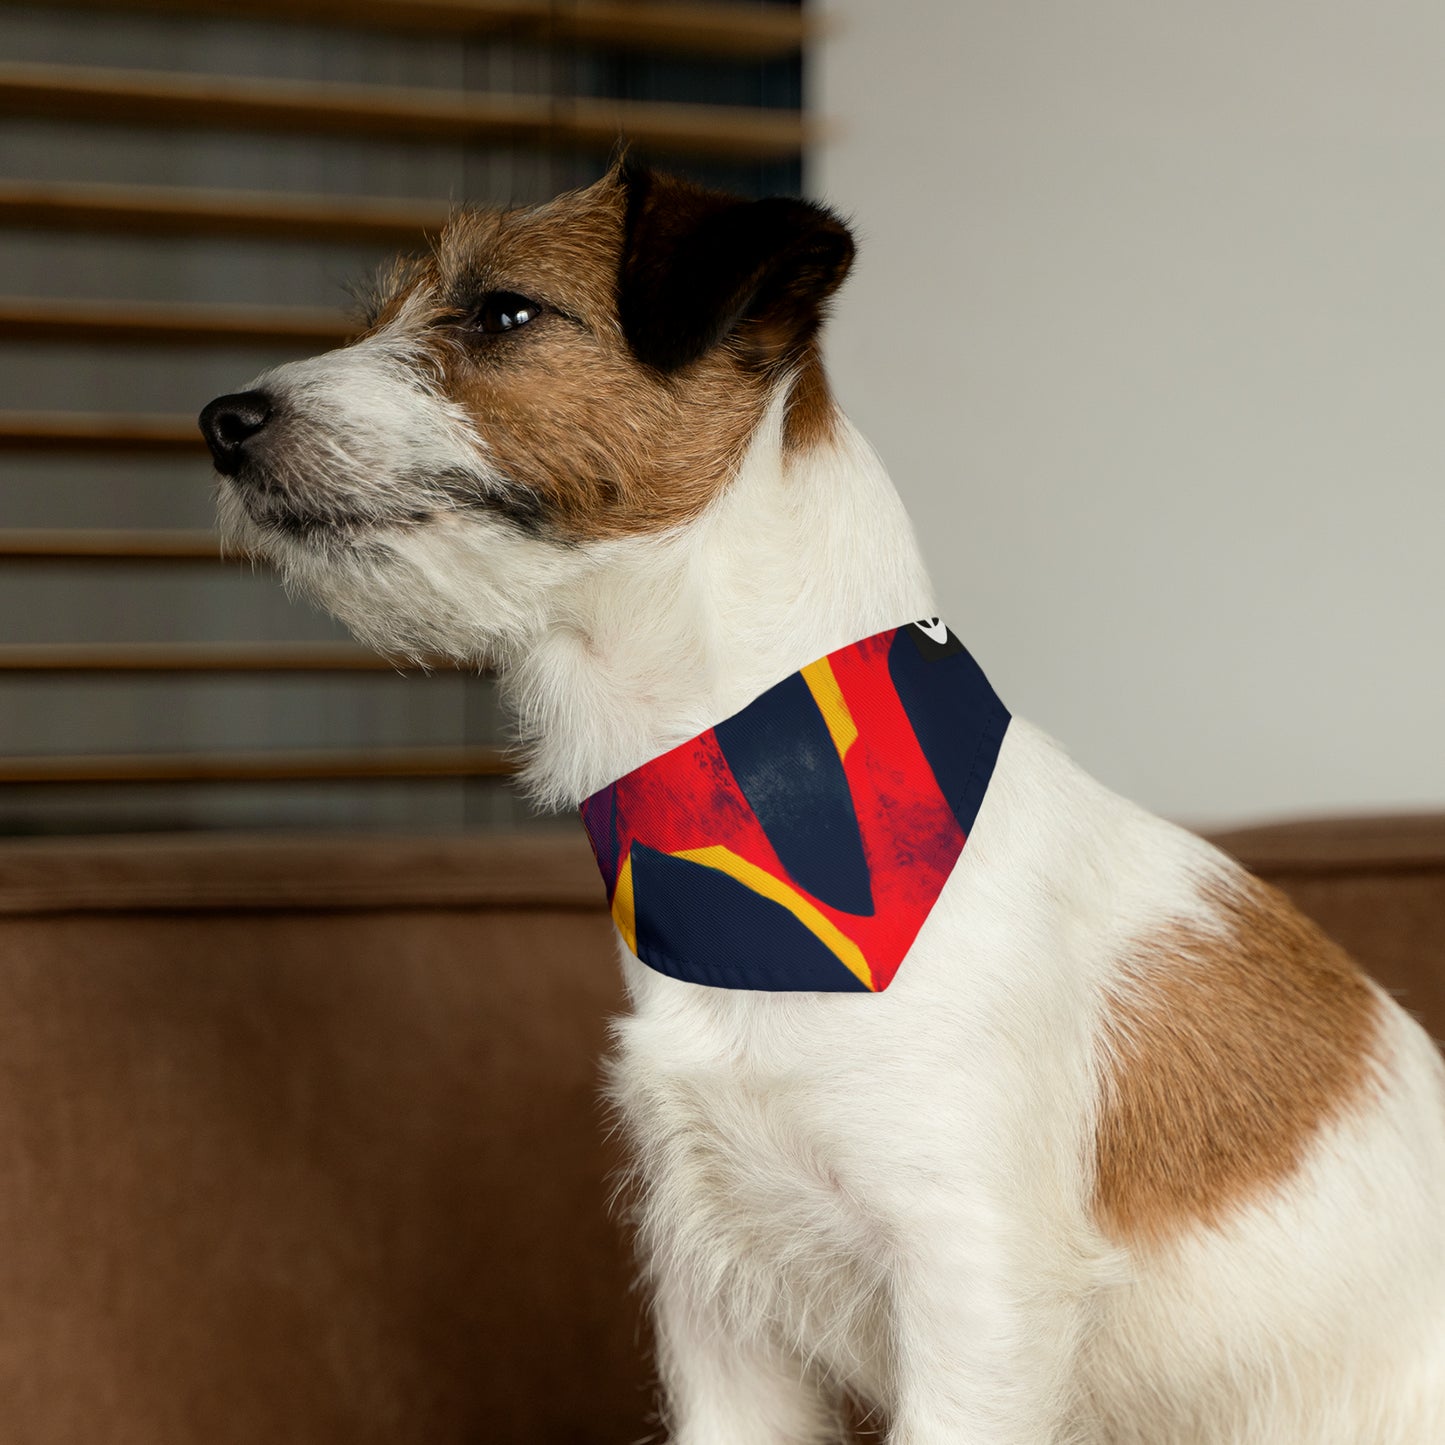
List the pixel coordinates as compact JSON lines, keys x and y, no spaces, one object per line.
{"x":230,"y":422}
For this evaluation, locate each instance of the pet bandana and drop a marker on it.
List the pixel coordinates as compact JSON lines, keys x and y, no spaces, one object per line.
{"x":800,"y":844}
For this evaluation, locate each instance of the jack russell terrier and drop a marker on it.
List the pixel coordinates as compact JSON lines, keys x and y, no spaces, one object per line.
{"x":956,"y":1085}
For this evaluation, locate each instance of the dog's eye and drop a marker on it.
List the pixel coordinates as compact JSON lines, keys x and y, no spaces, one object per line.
{"x":504,"y":311}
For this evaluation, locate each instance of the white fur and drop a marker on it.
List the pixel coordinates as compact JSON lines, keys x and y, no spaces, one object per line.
{"x":890,"y":1195}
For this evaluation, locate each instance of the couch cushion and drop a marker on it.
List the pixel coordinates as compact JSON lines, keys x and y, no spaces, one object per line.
{"x":303,"y":1143}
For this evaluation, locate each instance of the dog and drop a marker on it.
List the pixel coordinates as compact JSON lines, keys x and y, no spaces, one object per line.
{"x":1126,"y":1152}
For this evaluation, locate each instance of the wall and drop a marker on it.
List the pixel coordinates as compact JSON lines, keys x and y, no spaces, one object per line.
{"x":1149,"y":323}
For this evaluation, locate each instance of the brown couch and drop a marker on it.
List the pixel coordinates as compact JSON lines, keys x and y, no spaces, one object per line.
{"x":300,"y":1140}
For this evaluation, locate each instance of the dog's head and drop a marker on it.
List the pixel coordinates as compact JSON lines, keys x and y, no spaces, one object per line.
{"x":546,"y":383}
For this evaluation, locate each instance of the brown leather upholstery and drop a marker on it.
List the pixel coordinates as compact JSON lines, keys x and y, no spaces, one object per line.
{"x":300,"y":1141}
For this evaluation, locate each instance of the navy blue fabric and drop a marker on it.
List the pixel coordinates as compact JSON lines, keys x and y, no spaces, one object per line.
{"x":956,"y":716}
{"x":788,"y":769}
{"x":695,"y":917}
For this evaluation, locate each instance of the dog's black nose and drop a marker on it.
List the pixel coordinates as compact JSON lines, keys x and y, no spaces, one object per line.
{"x":229,"y":422}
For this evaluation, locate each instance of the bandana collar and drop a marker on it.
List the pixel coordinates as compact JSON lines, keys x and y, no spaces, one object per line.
{"x":800,"y":844}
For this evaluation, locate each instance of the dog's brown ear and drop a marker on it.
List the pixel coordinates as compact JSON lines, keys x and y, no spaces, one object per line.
{"x":699,"y":266}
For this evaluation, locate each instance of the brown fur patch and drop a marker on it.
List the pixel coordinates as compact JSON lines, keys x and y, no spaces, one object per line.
{"x":598,"y":443}
{"x":812,"y":413}
{"x":1226,"y":1054}
{"x":608,"y":446}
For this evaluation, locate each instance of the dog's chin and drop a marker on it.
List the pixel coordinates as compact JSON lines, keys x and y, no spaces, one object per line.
{"x":267,"y":511}
{"x":458,"y":586}
{"x":339,"y":562}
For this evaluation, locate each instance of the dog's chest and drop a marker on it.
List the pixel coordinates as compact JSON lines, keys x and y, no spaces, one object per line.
{"x":747,"y":1183}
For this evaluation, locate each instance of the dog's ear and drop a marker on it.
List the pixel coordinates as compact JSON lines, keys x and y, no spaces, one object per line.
{"x":699,"y":266}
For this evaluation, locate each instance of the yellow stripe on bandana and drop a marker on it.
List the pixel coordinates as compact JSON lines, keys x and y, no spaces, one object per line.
{"x":829,"y":696}
{"x":624,"y":912}
{"x":761,"y":881}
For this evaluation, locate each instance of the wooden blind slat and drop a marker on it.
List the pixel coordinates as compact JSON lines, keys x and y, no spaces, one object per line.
{"x":76,"y":544}
{"x":217,"y":102}
{"x":176,"y":210}
{"x":113,"y":97}
{"x":200,"y":657}
{"x":755,"y":32}
{"x":170,"y":323}
{"x":79,"y":431}
{"x":709,"y":29}
{"x":259,"y":767}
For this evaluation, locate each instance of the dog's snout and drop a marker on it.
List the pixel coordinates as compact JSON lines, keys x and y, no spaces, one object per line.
{"x":229,"y":422}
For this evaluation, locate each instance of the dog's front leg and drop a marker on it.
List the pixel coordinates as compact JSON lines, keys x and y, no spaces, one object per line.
{"x":984,"y":1348}
{"x":722,"y":1387}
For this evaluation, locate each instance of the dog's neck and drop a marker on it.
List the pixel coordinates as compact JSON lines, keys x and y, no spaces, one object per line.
{"x":666,"y":636}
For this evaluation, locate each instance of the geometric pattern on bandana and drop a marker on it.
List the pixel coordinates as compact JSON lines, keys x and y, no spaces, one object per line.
{"x":801,"y":843}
